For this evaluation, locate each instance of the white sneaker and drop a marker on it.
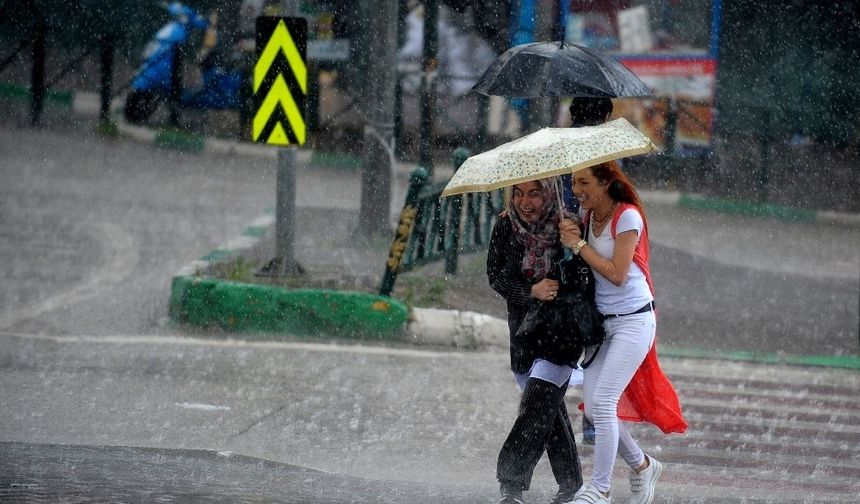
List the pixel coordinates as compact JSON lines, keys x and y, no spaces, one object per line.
{"x":642,"y":483}
{"x":590,"y":495}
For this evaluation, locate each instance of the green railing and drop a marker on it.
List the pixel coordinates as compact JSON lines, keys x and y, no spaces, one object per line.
{"x":432,"y":228}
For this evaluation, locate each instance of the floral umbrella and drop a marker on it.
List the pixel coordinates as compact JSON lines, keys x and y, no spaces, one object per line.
{"x":546,"y":153}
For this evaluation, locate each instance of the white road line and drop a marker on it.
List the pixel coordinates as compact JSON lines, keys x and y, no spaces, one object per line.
{"x":202,"y":407}
{"x":120,"y":258}
{"x":233,"y":343}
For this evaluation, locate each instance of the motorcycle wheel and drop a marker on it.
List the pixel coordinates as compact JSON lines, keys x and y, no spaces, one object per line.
{"x":139,"y":105}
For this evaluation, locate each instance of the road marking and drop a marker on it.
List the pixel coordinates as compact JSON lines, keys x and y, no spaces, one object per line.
{"x":121,"y":257}
{"x":334,"y":347}
{"x":202,"y":407}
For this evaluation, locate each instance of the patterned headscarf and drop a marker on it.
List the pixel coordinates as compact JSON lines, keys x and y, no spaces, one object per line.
{"x":540,"y":239}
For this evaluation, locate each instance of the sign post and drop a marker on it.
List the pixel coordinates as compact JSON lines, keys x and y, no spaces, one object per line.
{"x":280,"y":90}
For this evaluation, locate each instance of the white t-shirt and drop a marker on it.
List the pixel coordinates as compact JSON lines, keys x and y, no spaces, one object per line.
{"x":634,"y":292}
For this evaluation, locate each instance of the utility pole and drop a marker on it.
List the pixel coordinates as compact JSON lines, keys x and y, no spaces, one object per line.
{"x":378,"y":154}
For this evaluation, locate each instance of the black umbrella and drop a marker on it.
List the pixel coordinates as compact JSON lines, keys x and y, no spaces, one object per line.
{"x":558,"y":69}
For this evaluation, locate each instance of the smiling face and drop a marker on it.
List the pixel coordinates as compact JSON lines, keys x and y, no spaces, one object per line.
{"x":528,"y":201}
{"x":588,"y":190}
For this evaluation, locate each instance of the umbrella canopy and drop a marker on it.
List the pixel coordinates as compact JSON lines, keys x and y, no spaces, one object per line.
{"x":558,"y":69}
{"x":548,"y":152}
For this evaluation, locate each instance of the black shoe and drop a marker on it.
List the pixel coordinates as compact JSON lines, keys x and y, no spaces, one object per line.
{"x":511,"y":496}
{"x":565,"y":494}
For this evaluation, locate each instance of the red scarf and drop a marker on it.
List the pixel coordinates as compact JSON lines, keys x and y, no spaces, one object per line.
{"x":650,"y":396}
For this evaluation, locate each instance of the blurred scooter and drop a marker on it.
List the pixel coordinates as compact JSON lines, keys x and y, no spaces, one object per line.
{"x":151,"y":85}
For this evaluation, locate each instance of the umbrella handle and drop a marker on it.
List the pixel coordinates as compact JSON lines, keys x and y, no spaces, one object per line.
{"x":558,"y":190}
{"x":568,"y":256}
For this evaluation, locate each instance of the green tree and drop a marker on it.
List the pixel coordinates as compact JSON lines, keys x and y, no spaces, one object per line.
{"x":791,"y":60}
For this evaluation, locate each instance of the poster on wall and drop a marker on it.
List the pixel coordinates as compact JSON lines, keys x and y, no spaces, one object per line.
{"x":690,"y":83}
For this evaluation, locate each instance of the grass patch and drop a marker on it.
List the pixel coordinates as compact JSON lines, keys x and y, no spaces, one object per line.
{"x":421,"y":290}
{"x":179,"y":140}
{"x":9,"y":90}
{"x":237,"y":269}
{"x":751,"y":208}
{"x":108,"y":129}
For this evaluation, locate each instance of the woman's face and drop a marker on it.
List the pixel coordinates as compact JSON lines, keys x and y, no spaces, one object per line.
{"x":528,"y":201}
{"x":588,"y":190}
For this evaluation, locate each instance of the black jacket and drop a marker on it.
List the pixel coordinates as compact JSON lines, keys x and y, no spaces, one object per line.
{"x":504,"y":272}
{"x":554,"y":330}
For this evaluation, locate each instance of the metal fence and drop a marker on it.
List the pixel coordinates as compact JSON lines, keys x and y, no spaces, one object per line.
{"x":432,"y":228}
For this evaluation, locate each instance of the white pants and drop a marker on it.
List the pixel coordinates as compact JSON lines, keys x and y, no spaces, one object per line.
{"x":628,"y":340}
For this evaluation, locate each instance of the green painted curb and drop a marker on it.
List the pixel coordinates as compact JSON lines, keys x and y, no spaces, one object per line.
{"x":179,"y":140}
{"x":833,"y":361}
{"x":750,"y":208}
{"x":9,"y":90}
{"x":304,"y":312}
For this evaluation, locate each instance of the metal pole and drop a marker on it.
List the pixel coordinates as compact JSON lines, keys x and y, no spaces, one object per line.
{"x":429,"y":63}
{"x":483,"y":132}
{"x":399,"y":244}
{"x":175,"y":85}
{"x":285,"y":192}
{"x":313,"y":101}
{"x":764,"y":168}
{"x":452,"y":245}
{"x":285,"y":210}
{"x":107,"y":77}
{"x":37,"y":81}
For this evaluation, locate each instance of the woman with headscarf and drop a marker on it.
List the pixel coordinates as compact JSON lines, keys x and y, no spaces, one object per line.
{"x":521,"y":263}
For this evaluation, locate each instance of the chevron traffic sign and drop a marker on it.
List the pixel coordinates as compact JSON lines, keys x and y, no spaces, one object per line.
{"x":280,"y":81}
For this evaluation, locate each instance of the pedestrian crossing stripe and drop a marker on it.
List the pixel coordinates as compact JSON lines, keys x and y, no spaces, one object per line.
{"x":280,"y":81}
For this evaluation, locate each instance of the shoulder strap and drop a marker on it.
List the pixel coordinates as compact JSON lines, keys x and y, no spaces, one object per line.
{"x":615,"y":218}
{"x":642,"y":253}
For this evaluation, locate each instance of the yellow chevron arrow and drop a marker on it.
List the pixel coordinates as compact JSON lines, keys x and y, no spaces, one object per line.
{"x":281,"y":41}
{"x":279,"y":94}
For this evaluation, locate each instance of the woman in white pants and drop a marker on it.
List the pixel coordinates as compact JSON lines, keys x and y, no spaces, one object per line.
{"x":624,"y":381}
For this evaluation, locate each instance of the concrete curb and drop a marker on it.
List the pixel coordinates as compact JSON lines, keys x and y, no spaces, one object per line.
{"x":209,"y":302}
{"x":204,"y":301}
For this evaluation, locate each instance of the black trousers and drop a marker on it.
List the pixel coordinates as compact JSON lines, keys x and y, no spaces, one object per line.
{"x":542,"y":425}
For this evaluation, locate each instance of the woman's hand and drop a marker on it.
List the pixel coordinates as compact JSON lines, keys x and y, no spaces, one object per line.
{"x":545,"y":290}
{"x":570,"y":234}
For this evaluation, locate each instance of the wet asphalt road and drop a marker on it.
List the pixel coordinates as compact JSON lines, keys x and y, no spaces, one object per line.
{"x":91,"y":231}
{"x":101,"y":226}
{"x":131,"y":418}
